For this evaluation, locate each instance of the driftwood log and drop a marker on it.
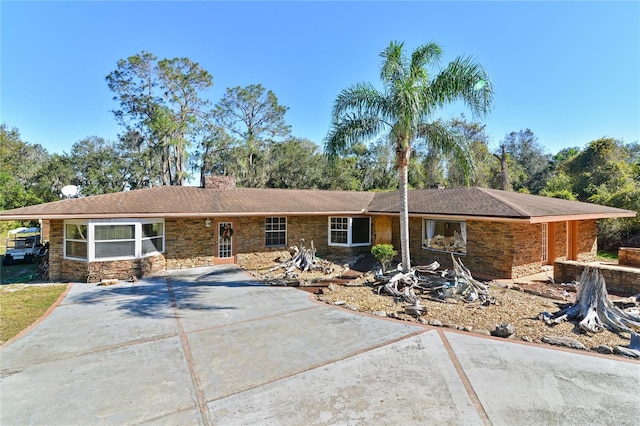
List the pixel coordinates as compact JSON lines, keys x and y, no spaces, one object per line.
{"x":302,"y":259}
{"x":594,"y":310}
{"x":429,"y":282}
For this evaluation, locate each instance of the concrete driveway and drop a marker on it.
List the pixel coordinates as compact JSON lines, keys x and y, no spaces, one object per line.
{"x":212,"y":346}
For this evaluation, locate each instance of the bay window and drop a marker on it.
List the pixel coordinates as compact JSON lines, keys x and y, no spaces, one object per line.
{"x":109,"y":240}
{"x":75,"y":241}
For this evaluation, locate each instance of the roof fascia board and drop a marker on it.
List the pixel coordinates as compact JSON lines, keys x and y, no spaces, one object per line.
{"x":591,"y":216}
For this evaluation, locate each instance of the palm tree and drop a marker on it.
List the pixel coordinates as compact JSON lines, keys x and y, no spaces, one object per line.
{"x":411,"y":95}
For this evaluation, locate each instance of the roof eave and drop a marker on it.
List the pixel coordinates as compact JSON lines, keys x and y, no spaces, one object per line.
{"x":584,"y":216}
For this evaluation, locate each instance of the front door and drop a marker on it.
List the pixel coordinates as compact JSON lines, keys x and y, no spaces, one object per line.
{"x":382,"y":230}
{"x":225,"y":241}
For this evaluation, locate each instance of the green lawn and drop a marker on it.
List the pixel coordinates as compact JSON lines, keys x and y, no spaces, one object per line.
{"x":21,"y":305}
{"x":608,"y":256}
{"x":17,"y":273}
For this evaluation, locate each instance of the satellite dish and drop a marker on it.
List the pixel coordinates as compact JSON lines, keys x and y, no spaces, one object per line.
{"x":70,"y":191}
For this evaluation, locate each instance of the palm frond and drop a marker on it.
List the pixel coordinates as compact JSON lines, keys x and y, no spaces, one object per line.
{"x":443,"y":140}
{"x":350,"y":130}
{"x":422,"y":57}
{"x":458,"y":81}
{"x":361,"y":98}
{"x":393,"y":67}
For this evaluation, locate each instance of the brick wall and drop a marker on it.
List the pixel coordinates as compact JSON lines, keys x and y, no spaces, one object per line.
{"x":629,"y":256}
{"x":620,"y":280}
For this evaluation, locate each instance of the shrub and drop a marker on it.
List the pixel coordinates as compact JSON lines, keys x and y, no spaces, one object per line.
{"x":384,"y":253}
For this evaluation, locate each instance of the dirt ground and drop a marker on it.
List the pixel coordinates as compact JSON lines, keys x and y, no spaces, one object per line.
{"x":519,"y":305}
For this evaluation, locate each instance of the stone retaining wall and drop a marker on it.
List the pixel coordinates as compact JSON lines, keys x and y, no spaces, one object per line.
{"x":623,"y":281}
{"x":629,"y":256}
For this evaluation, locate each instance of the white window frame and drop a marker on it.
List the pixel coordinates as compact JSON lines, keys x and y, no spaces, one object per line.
{"x":91,"y":241}
{"x":349,"y":232}
{"x":425,"y":242}
{"x":275,"y":231}
{"x":85,"y":241}
{"x":96,"y":241}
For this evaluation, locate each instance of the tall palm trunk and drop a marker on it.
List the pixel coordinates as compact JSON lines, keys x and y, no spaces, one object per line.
{"x":403,"y":173}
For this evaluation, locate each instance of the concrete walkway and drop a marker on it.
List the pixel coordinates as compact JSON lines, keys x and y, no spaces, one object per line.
{"x":211,"y":346}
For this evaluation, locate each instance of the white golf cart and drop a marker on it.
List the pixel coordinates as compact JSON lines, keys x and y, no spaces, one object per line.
{"x":23,"y":245}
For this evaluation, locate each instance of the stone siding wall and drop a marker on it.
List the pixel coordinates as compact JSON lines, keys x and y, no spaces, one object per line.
{"x":188,"y":243}
{"x":629,"y":256}
{"x":250,"y":236}
{"x":74,"y":270}
{"x":587,"y":240}
{"x":56,"y":242}
{"x":503,"y":249}
{"x":620,"y":280}
{"x":124,"y":269}
{"x":494,"y":249}
{"x":560,"y":242}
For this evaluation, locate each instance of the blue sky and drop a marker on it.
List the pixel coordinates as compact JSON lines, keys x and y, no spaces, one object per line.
{"x":569,"y":71}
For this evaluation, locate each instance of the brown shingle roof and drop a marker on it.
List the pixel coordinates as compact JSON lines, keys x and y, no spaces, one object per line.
{"x":185,"y":201}
{"x":192,"y":201}
{"x":490,"y":203}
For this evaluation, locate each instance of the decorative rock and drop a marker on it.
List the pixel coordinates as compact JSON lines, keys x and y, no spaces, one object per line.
{"x":454,"y":326}
{"x":340,"y":302}
{"x":435,"y":323}
{"x":352,"y":307}
{"x":481,"y":331}
{"x":603,"y":349}
{"x":503,"y":330}
{"x":563,"y":341}
{"x":527,"y":339}
{"x":467,"y":328}
{"x":422,"y":320}
{"x":379,"y":313}
{"x":631,"y":353}
{"x":331,"y":287}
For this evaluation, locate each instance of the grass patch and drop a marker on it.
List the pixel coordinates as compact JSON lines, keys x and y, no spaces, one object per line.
{"x":18,"y":273}
{"x":608,"y":256}
{"x":22,"y":305}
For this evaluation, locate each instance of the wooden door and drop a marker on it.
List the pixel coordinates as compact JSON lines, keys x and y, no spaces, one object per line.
{"x":382,"y":230}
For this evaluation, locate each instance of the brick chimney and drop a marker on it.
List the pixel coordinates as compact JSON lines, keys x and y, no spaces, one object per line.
{"x":219,"y":182}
